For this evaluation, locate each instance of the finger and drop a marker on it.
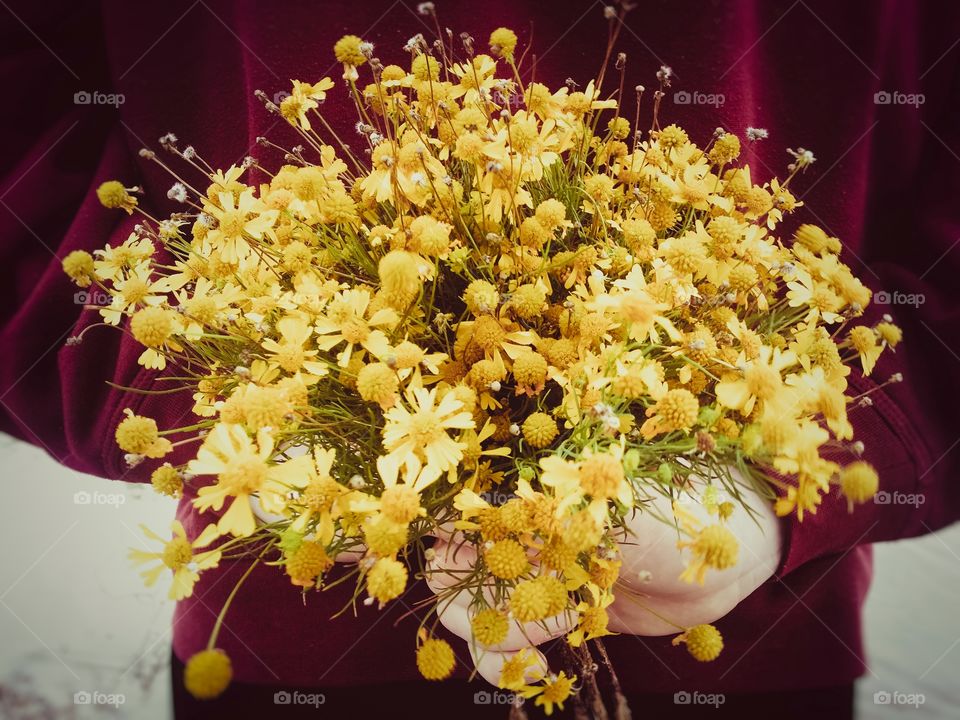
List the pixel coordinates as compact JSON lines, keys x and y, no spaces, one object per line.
{"x":489,"y":664}
{"x":351,"y":556}
{"x":457,"y":619}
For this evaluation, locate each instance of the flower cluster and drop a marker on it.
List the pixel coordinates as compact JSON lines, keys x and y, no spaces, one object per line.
{"x":514,"y":314}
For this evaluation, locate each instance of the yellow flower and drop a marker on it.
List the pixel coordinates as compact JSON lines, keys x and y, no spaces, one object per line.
{"x":416,"y":438}
{"x":289,"y":354}
{"x":304,"y":98}
{"x":242,"y":469}
{"x":179,"y":556}
{"x":758,"y":379}
{"x":347,"y":321}
{"x":435,"y":659}
{"x":556,"y":689}
{"x":139,"y":435}
{"x":207,"y":674}
{"x":704,"y":642}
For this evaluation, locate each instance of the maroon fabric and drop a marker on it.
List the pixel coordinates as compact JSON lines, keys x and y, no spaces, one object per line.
{"x":886,"y":183}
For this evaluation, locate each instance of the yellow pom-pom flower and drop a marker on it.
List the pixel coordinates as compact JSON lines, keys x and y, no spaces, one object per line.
{"x":207,"y":674}
{"x":490,"y":626}
{"x":386,"y":579}
{"x":435,"y":659}
{"x":112,"y":194}
{"x":704,"y":642}
{"x":859,"y":482}
{"x":506,"y":559}
{"x":503,"y":41}
{"x":78,"y":265}
{"x":539,"y":429}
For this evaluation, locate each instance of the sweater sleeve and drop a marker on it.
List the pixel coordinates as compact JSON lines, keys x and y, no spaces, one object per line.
{"x":912,"y":259}
{"x":63,"y":398}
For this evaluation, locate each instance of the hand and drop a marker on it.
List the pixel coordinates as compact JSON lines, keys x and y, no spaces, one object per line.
{"x":649,"y":585}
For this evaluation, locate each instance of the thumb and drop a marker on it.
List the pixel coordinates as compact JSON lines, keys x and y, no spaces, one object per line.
{"x":489,"y":663}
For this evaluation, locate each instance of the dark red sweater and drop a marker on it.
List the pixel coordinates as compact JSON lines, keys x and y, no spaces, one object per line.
{"x":886,"y":182}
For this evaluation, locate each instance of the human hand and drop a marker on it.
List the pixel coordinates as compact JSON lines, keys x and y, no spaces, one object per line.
{"x":651,"y":598}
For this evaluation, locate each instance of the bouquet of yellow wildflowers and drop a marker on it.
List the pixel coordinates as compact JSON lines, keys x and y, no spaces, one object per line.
{"x":518,"y":317}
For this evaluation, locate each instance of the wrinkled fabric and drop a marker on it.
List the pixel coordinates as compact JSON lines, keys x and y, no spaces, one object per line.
{"x":886,"y":183}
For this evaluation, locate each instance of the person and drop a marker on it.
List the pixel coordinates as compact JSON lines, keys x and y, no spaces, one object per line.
{"x":93,"y":83}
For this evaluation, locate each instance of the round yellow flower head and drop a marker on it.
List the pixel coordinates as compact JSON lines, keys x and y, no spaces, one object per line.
{"x":601,"y":475}
{"x":399,"y":278}
{"x":139,"y":435}
{"x":167,"y":481}
{"x":378,"y":383}
{"x":78,"y":265}
{"x":506,"y":559}
{"x":539,"y":429}
{"x":347,"y":51}
{"x":859,"y":482}
{"x":619,"y":128}
{"x":717,"y":547}
{"x":307,"y":562}
{"x":481,"y":297}
{"x":530,"y":369}
{"x":726,"y":149}
{"x":490,"y":626}
{"x":430,"y":236}
{"x":435,"y":659}
{"x":528,"y":301}
{"x":207,"y":674}
{"x":862,"y":338}
{"x":425,"y":67}
{"x":386,"y":579}
{"x":384,"y":536}
{"x":392,"y":73}
{"x":889,"y":333}
{"x":551,"y":213}
{"x":112,"y":194}
{"x":401,"y":503}
{"x":537,"y":599}
{"x":672,"y":136}
{"x":704,"y":642}
{"x":153,"y":326}
{"x":503,"y":42}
